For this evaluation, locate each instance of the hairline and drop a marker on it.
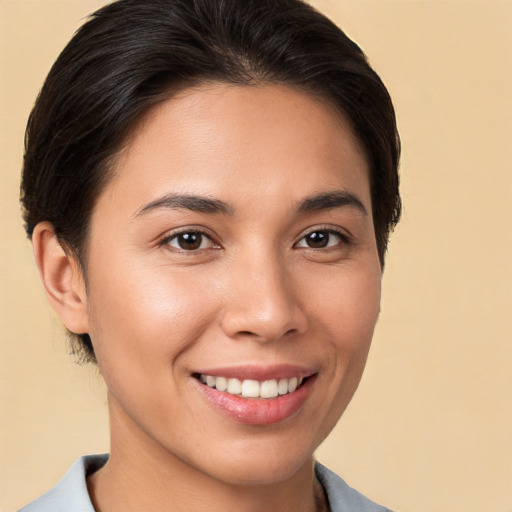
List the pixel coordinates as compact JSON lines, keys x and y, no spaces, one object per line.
{"x":111,"y":164}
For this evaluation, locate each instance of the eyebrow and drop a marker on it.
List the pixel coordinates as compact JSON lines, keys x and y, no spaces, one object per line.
{"x":202,"y":204}
{"x":194,"y":203}
{"x":328,"y":200}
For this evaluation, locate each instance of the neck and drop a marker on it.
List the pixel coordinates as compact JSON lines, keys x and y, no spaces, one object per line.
{"x":141,"y":475}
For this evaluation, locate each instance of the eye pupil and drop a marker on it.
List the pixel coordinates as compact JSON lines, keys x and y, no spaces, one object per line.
{"x":317,"y":239}
{"x":190,"y":241}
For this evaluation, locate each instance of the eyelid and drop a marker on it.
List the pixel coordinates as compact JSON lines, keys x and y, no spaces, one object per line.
{"x":165,"y":239}
{"x":345,"y":237}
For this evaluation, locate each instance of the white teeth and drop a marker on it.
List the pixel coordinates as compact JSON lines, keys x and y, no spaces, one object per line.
{"x":269,"y":389}
{"x":221,"y":383}
{"x":252,"y":388}
{"x":234,"y":386}
{"x":282,"y":387}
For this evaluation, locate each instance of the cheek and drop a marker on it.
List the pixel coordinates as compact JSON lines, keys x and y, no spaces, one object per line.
{"x":357,"y":315}
{"x":142,"y":321}
{"x":360,"y":309}
{"x":347,"y":303}
{"x":349,"y":312}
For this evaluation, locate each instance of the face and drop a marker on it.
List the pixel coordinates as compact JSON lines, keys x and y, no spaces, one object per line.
{"x":233,"y":281}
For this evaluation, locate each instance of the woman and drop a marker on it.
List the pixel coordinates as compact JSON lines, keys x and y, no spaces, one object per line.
{"x":209,"y":187}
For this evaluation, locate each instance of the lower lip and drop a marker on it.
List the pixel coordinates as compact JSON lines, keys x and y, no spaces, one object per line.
{"x":258,"y":411}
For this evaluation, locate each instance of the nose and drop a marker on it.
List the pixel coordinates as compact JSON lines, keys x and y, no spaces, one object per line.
{"x":262,"y":302}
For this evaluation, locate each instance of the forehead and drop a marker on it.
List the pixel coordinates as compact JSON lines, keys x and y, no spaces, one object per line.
{"x":213,"y":138}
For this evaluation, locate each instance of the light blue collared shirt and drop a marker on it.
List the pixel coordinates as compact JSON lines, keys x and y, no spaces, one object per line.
{"x":70,"y":494}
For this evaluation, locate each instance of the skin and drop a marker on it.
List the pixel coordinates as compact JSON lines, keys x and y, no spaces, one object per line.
{"x":254,"y":293}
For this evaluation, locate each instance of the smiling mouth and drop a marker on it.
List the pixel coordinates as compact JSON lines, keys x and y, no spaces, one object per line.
{"x":249,"y":388}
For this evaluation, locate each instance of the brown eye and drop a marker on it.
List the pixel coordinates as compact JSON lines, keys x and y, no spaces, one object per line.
{"x":320,"y":239}
{"x":190,"y":241}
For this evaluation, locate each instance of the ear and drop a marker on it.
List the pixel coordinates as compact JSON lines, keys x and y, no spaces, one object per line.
{"x":62,"y":278}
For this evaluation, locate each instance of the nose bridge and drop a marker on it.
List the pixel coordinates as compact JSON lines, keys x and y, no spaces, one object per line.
{"x":262,"y":301}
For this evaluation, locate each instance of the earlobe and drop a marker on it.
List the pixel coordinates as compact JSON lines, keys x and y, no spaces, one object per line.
{"x":62,"y":278}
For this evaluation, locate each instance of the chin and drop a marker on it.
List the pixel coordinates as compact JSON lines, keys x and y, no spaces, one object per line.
{"x":270,"y":470}
{"x":269,"y":459}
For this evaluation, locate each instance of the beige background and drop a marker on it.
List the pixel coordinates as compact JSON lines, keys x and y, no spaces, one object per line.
{"x":431,"y":426}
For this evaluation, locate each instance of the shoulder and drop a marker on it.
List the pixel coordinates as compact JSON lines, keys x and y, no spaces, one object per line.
{"x":70,"y":494}
{"x":341,"y":496}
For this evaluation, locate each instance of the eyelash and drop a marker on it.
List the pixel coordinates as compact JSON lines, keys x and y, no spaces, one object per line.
{"x":344,"y":239}
{"x":168,"y":239}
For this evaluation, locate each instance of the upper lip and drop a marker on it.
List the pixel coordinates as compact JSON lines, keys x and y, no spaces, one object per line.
{"x":259,"y":372}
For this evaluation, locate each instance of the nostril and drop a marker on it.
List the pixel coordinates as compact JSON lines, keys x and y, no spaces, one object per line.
{"x":247,"y":333}
{"x":268,"y":337}
{"x":264,"y":321}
